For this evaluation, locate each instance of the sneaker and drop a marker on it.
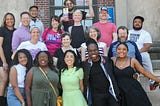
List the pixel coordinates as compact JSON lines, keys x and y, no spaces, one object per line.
{"x":153,"y":85}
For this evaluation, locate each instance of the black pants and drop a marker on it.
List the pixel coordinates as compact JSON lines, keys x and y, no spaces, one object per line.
{"x":103,"y":99}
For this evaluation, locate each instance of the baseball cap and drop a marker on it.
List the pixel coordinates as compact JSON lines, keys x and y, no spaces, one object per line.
{"x":104,"y":8}
{"x":139,"y":17}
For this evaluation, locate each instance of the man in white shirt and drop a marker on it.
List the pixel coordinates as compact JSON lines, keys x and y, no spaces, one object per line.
{"x":35,"y":22}
{"x":143,"y":40}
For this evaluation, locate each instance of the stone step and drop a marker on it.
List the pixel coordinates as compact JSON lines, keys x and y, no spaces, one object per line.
{"x":156,"y":64}
{"x":155,"y":50}
{"x":156,"y":72}
{"x":153,"y":95}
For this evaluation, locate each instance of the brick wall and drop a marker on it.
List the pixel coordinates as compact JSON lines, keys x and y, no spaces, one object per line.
{"x":105,"y":2}
{"x":44,"y":14}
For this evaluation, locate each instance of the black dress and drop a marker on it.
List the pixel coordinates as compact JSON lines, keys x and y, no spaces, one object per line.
{"x":131,"y":90}
{"x":6,"y":34}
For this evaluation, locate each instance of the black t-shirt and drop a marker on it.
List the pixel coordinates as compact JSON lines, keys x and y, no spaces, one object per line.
{"x":6,"y":34}
{"x":59,"y":54}
{"x":69,"y":23}
{"x":77,"y":36}
{"x":98,"y":80}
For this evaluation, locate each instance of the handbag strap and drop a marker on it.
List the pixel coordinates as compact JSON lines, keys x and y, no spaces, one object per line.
{"x":48,"y":81}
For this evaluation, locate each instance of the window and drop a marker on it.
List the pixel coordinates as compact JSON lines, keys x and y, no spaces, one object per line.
{"x":56,"y":7}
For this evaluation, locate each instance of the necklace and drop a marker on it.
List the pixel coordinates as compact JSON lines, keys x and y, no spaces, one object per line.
{"x":122,"y":63}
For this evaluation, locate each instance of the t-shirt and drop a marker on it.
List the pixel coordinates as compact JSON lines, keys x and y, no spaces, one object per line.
{"x":107,"y":29}
{"x":6,"y":34}
{"x":20,"y":35}
{"x":52,"y":40}
{"x":139,"y":37}
{"x":69,"y":23}
{"x":33,"y":48}
{"x":77,"y":36}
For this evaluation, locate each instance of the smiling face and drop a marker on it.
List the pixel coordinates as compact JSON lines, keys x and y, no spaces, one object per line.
{"x":93,"y":34}
{"x":122,"y":50}
{"x":137,"y":24}
{"x":93,"y":52}
{"x":54,"y":23}
{"x":33,"y":12}
{"x":69,"y":59}
{"x":35,"y":34}
{"x":9,"y":21}
{"x":122,"y":35}
{"x":25,"y":19}
{"x":66,"y":41}
{"x":22,"y":58}
{"x":103,"y":15}
{"x":77,"y":16}
{"x":43,"y":59}
{"x":69,"y":5}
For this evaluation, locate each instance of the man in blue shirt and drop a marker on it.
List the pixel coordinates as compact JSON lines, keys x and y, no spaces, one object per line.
{"x":133,"y":51}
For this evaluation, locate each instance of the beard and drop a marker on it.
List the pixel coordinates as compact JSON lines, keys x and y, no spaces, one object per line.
{"x":137,"y":28}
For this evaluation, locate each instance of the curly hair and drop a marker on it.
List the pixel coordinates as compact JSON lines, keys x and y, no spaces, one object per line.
{"x":50,"y":60}
{"x":28,"y":55}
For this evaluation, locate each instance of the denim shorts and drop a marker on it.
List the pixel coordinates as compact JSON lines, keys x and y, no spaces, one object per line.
{"x":12,"y":99}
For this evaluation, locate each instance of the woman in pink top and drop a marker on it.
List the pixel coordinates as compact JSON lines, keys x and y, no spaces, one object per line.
{"x":52,"y":35}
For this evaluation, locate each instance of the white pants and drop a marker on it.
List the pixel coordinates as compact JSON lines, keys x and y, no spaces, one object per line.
{"x":146,"y":61}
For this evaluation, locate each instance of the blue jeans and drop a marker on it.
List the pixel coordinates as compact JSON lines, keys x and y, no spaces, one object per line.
{"x":12,"y":99}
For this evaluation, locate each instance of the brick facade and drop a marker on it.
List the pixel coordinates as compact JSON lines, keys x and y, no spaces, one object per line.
{"x":44,"y":15}
{"x":44,"y":8}
{"x":105,"y":2}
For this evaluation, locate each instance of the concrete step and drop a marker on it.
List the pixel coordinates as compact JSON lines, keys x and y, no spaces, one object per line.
{"x":156,"y":64}
{"x":154,"y":95}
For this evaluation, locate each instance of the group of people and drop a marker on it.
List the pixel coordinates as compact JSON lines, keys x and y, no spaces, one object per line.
{"x":87,"y":66}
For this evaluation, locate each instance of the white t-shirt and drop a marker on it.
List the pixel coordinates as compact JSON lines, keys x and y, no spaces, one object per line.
{"x":33,"y":48}
{"x":139,"y":37}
